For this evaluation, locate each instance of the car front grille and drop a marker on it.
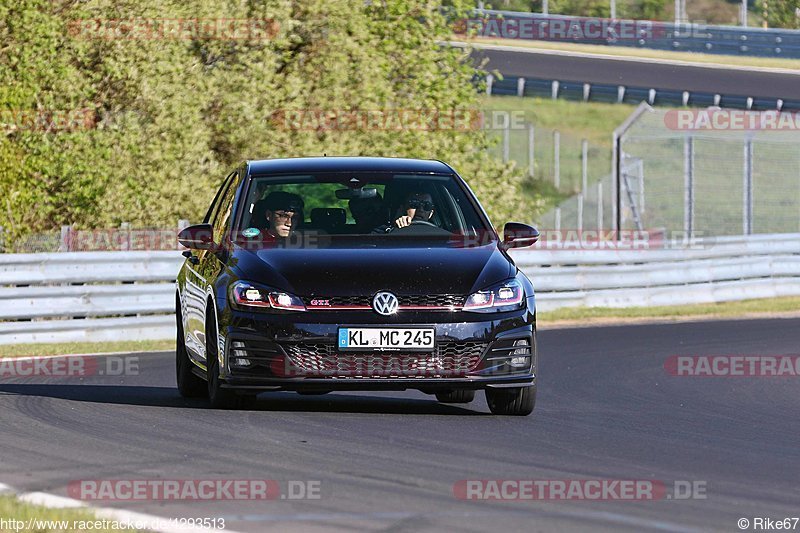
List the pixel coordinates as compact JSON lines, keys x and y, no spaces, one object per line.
{"x":450,"y":359}
{"x":433,"y":301}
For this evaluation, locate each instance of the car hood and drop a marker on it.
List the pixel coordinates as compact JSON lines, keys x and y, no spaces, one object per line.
{"x":360,"y":271}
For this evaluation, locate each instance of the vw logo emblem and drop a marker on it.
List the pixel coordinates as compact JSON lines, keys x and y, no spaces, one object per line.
{"x":385,"y":303}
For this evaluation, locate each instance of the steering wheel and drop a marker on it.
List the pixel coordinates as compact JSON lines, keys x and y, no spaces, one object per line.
{"x":423,"y":223}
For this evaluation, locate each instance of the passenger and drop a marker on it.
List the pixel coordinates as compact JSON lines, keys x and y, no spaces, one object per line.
{"x":371,"y":214}
{"x":418,"y":207}
{"x":284,"y":213}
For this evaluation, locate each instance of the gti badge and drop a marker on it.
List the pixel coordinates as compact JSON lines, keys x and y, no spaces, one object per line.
{"x":385,"y":303}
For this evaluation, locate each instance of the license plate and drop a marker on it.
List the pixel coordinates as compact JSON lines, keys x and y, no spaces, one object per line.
{"x":386,"y":339}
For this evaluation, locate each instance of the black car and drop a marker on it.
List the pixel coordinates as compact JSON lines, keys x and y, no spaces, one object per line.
{"x":353,"y":273}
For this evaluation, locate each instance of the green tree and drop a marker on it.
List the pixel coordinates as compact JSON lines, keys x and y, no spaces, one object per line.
{"x":170,"y":117}
{"x":781,"y":13}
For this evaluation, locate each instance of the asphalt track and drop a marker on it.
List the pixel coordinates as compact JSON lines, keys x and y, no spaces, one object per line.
{"x":649,"y":74}
{"x":387,"y":461}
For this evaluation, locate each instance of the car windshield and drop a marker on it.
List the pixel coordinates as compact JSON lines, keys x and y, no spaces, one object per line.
{"x":375,"y":208}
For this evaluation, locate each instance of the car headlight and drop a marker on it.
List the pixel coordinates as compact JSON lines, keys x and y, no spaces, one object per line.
{"x":504,"y":296}
{"x":246,"y":295}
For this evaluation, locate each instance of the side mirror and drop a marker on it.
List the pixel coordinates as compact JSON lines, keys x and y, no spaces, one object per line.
{"x":518,"y":235}
{"x":197,"y":237}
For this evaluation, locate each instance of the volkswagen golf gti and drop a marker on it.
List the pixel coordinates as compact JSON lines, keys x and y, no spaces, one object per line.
{"x":354,"y":273}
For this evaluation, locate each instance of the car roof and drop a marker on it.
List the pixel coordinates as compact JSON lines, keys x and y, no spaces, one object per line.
{"x":347,"y":164}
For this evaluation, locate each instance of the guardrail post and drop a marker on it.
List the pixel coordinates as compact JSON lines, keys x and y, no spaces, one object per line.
{"x":531,"y":155}
{"x":747,"y":215}
{"x":688,"y":185}
{"x":520,"y":86}
{"x":554,"y":89}
{"x":489,"y":83}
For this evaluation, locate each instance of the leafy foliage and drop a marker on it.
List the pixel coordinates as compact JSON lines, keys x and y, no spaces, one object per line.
{"x":169,"y":118}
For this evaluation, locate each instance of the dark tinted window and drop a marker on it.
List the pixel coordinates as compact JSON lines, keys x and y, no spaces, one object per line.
{"x":363,"y":204}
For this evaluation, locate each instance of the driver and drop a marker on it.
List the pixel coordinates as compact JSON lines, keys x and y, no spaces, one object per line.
{"x":418,"y":206}
{"x":284,"y":212}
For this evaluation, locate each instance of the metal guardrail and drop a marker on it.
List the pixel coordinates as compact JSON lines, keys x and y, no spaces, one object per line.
{"x":684,"y":37}
{"x":87,"y":296}
{"x":601,"y":92}
{"x":709,"y":271}
{"x":104,"y":296}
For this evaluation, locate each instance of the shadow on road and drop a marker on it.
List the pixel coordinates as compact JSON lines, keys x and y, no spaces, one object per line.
{"x":270,"y":401}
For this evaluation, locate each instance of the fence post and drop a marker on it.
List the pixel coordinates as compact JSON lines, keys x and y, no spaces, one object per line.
{"x":688,"y":185}
{"x":126,"y":227}
{"x":584,"y":180}
{"x":747,"y":218}
{"x":531,"y":165}
{"x":65,"y":243}
{"x":557,"y":159}
{"x":584,"y":166}
{"x":599,"y":206}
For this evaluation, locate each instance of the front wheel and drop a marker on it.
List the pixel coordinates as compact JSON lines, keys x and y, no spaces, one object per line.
{"x":514,"y":402}
{"x":456,"y":396}
{"x":189,"y":384}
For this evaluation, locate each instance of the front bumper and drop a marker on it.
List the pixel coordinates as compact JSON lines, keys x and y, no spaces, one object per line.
{"x":283,"y":355}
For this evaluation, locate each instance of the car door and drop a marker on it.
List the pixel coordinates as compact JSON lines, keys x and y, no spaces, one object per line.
{"x":211,"y":262}
{"x":194,"y":288}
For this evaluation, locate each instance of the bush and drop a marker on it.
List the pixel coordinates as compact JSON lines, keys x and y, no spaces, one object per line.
{"x":162,"y":121}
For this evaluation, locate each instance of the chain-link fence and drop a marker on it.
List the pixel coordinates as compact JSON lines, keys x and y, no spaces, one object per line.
{"x":700,"y":172}
{"x":711,"y":172}
{"x":566,"y":176}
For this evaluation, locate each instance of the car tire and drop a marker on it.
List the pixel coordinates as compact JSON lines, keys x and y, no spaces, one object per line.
{"x":218,"y":397}
{"x":514,"y":402}
{"x":189,"y":384}
{"x":456,"y":396}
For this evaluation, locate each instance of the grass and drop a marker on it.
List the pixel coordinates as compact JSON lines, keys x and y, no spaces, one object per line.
{"x":17,"y":350}
{"x":574,"y":121}
{"x":741,"y":308}
{"x":11,"y":508}
{"x":623,"y":51}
